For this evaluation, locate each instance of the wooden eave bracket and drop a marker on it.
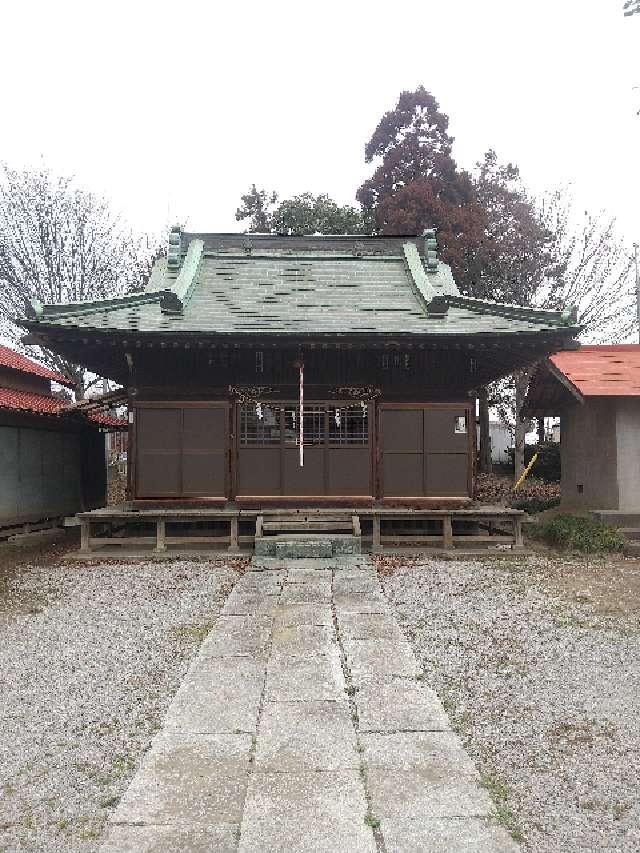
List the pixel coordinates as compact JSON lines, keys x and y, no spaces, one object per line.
{"x":173,"y":300}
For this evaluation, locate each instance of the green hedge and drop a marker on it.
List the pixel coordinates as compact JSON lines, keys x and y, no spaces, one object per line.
{"x":574,"y":533}
{"x":534,"y":505}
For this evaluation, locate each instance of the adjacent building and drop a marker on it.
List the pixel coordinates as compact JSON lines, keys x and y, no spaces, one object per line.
{"x":596,"y":392}
{"x":52,"y":459}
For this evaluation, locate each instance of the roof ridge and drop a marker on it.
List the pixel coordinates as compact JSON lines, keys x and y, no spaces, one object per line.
{"x":502,"y":309}
{"x":69,"y":308}
{"x":173,"y":299}
{"x":417,"y":275}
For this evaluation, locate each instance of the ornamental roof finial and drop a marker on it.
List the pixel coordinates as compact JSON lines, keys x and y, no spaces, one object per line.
{"x":430,"y":250}
{"x":175,"y":245}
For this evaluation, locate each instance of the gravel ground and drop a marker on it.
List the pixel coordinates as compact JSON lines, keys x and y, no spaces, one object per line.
{"x":90,"y":657}
{"x":537,"y":660}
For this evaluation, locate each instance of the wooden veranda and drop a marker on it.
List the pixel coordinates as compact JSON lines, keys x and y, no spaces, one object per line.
{"x":180,"y":530}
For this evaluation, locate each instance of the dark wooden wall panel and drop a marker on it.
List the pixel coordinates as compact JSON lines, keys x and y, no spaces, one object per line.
{"x":446,"y":474}
{"x":439,"y":431}
{"x":423,"y":456}
{"x":402,"y":430}
{"x":181,"y":450}
{"x":349,"y":471}
{"x":305,"y":480}
{"x":402,"y":474}
{"x":204,"y":452}
{"x":158,"y":452}
{"x":259,"y":471}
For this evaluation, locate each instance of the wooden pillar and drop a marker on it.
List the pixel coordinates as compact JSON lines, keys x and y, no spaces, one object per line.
{"x":376,"y":547}
{"x":518,"y":541}
{"x":233,"y":534}
{"x":161,"y":544}
{"x":447,"y":532}
{"x":85,"y":534}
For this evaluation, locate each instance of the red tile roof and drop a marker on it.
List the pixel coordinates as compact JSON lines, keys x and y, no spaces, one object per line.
{"x":26,"y":401}
{"x":107,"y":420}
{"x":603,"y":370}
{"x":16,"y":361}
{"x":43,"y":404}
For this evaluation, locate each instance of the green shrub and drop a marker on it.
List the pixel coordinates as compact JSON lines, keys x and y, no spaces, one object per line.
{"x":533,"y":505}
{"x":575,"y":533}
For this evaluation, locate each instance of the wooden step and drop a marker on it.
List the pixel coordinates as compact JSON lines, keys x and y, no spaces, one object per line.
{"x":307,"y":525}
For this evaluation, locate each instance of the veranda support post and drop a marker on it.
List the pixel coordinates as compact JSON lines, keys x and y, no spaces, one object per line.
{"x":161,"y":544}
{"x":233,"y":534}
{"x":85,"y":533}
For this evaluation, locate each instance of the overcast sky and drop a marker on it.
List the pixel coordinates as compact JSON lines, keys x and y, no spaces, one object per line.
{"x":174,"y":109}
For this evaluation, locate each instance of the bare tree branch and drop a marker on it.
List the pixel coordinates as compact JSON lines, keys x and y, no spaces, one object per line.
{"x":59,"y":244}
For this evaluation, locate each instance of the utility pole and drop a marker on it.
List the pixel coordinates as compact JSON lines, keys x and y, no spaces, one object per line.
{"x":635,"y":254}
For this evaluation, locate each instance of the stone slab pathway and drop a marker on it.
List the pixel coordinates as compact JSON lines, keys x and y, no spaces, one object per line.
{"x":305,"y":724}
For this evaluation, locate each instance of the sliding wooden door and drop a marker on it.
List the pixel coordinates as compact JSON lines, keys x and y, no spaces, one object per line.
{"x":181,"y":450}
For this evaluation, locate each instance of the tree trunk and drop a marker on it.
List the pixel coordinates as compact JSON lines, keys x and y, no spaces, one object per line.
{"x":521,"y":381}
{"x":484,"y":457}
{"x":541,"y":432}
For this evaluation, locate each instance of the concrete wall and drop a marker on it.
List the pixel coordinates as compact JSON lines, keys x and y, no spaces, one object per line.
{"x":588,"y":455}
{"x":46,"y":473}
{"x":628,"y":433}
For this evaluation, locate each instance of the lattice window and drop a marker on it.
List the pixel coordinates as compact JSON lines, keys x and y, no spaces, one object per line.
{"x":314,"y":425}
{"x":259,"y":424}
{"x":349,"y":426}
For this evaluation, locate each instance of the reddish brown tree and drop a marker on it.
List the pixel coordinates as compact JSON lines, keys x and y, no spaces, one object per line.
{"x":418,"y":185}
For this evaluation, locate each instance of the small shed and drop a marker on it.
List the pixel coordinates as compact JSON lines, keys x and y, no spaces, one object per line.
{"x":52,"y":459}
{"x":596,"y":392}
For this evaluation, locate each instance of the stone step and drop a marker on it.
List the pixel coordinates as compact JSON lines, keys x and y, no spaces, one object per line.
{"x":617,"y":517}
{"x":631,"y":533}
{"x":632,"y":549}
{"x":296,"y":546}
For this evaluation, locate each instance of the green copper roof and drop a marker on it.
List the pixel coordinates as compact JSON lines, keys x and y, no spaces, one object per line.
{"x":234,"y":284}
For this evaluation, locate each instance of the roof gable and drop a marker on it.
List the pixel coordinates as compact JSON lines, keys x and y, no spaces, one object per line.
{"x":16,"y":361}
{"x":603,"y":370}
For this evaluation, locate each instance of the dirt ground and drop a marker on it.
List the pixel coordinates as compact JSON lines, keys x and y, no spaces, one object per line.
{"x":41,"y":549}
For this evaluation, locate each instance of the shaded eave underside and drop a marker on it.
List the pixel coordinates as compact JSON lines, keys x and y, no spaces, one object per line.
{"x":364,"y":339}
{"x":549,"y":392}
